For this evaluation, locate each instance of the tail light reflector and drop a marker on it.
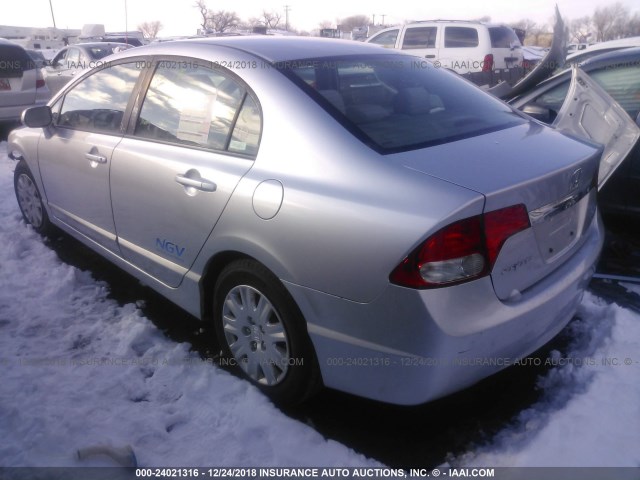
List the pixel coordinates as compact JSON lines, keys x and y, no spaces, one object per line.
{"x":462,"y":251}
{"x":487,"y":65}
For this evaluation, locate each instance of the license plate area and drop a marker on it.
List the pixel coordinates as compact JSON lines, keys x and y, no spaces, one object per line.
{"x":559,"y":226}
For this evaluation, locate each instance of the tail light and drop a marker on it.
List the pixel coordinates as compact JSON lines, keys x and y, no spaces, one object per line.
{"x":460,"y":252}
{"x":39,"y":79}
{"x":487,"y":65}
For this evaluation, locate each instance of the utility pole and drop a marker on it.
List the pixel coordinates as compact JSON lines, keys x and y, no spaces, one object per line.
{"x":286,"y":17}
{"x":383,"y":15}
{"x":52,"y":17}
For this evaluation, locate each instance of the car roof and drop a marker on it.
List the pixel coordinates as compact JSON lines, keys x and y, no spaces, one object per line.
{"x":4,"y":41}
{"x":96,"y":44}
{"x":621,"y":56}
{"x":615,"y":56}
{"x":268,"y":48}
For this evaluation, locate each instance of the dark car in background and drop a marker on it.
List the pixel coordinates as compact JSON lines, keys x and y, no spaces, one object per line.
{"x":21,"y":82}
{"x":618,"y":73}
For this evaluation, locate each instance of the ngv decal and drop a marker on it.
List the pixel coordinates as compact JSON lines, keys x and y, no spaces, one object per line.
{"x":170,"y":248}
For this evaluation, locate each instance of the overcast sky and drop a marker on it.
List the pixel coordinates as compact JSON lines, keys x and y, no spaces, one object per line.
{"x":180,"y":17}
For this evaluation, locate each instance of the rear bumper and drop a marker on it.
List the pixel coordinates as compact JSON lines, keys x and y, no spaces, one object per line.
{"x":409,"y":347}
{"x":493,"y":77}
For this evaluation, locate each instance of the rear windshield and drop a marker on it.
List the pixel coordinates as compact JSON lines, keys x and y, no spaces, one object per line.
{"x":503,"y":37}
{"x":13,"y":61}
{"x":397,"y":102}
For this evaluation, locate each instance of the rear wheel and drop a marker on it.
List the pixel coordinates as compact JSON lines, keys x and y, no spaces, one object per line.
{"x":262,"y":333}
{"x":29,"y":199}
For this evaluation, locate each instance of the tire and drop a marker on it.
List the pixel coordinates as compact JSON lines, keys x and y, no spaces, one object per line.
{"x":262,"y":333}
{"x":30,"y":200}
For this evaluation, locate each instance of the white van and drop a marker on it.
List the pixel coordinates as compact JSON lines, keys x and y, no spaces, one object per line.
{"x":464,"y":47}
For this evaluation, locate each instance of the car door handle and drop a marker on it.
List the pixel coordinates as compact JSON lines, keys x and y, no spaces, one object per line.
{"x":197,"y":183}
{"x":95,"y":158}
{"x":430,"y":56}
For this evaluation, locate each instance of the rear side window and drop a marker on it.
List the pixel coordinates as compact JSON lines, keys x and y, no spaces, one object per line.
{"x":99,"y":101}
{"x":396,"y":102}
{"x":503,"y":37}
{"x":622,"y":82}
{"x":193,"y":105}
{"x":386,"y":39}
{"x":460,"y":37}
{"x":13,"y":61}
{"x":420,"y":37}
{"x":73,"y":58}
{"x":246,"y":132}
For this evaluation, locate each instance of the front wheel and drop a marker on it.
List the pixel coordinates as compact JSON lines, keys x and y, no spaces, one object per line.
{"x":262,"y":332}
{"x":29,"y":199}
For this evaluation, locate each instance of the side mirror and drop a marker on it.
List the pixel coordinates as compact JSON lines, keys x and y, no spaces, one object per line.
{"x":37,"y":117}
{"x":539,"y":113}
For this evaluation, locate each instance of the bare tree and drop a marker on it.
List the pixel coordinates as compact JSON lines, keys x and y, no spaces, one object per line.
{"x":632,"y":26}
{"x":580,"y":29}
{"x":525,"y":24}
{"x":204,"y":13}
{"x":270,"y":19}
{"x":150,"y":29}
{"x":539,"y":35}
{"x":354,"y":21}
{"x":325,"y":24}
{"x":609,"y":21}
{"x":223,"y":20}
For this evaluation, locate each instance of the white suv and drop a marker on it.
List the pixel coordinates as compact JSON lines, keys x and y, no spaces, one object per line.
{"x":486,"y":52}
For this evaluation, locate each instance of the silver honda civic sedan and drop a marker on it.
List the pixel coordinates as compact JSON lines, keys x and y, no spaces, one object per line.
{"x":343,"y":216}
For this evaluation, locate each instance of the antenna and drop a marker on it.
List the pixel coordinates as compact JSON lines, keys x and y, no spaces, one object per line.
{"x":52,"y":17}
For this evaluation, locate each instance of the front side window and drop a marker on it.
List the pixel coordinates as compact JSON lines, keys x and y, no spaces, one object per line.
{"x":386,"y":39}
{"x":194,"y":105}
{"x":397,"y":102}
{"x":99,"y":101}
{"x":460,"y":37}
{"x":420,"y":37}
{"x":58,"y":60}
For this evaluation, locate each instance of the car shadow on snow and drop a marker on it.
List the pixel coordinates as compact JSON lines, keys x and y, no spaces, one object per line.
{"x":401,"y":437}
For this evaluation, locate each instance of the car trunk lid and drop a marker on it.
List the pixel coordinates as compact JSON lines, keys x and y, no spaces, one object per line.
{"x":552,"y":175}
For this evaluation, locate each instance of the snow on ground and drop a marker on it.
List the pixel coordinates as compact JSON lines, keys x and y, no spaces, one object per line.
{"x":61,"y":391}
{"x":589,"y":415}
{"x":80,"y":370}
